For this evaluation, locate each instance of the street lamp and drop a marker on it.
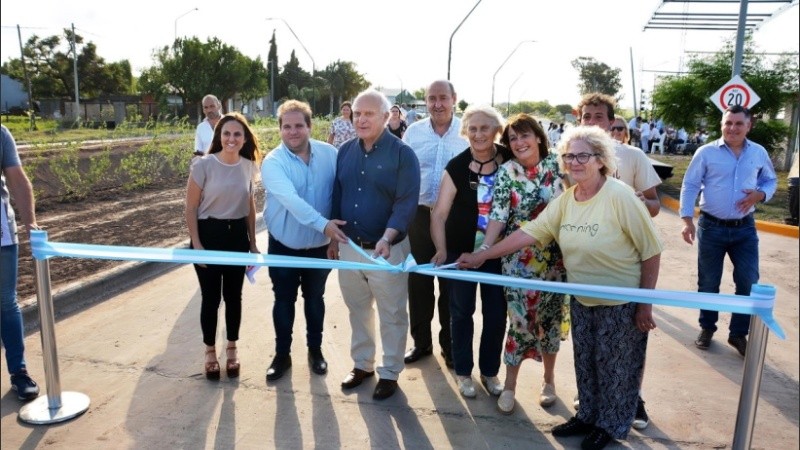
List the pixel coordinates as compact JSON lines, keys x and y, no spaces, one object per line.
{"x":508,"y":106}
{"x":504,"y":63}
{"x":176,"y":20}
{"x":450,"y":48}
{"x":313,"y":64}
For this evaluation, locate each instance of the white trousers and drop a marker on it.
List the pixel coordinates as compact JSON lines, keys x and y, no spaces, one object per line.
{"x":362,"y":290}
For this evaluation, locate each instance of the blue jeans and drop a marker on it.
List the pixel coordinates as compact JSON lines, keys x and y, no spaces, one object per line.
{"x":13,"y":334}
{"x":493,"y":308}
{"x":741,"y":245}
{"x":285,"y":281}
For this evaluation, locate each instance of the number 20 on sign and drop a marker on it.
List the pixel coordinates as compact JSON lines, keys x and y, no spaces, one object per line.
{"x":735,"y":92}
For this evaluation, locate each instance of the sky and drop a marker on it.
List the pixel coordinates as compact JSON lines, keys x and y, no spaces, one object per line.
{"x":405,"y":44}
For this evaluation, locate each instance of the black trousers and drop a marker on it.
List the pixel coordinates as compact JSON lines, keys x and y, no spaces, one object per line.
{"x":219,"y":282}
{"x":421,"y":296}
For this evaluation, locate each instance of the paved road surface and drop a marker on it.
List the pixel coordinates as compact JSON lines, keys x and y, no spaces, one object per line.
{"x":138,"y":356}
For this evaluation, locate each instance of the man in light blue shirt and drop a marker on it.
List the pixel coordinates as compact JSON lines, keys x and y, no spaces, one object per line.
{"x":731,"y":175}
{"x":435,"y":140}
{"x":298,"y":179}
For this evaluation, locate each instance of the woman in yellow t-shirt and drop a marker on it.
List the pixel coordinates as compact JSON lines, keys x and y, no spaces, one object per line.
{"x":607,"y":238}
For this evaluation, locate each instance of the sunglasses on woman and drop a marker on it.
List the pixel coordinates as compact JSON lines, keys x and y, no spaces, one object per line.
{"x":617,"y":128}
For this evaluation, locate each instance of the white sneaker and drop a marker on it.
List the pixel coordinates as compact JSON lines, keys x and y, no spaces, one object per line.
{"x":492,"y":385}
{"x":506,"y":402}
{"x":466,"y":386}
{"x":548,"y":395}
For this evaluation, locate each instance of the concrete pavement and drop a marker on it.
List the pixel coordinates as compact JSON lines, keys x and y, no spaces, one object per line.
{"x":138,"y":356}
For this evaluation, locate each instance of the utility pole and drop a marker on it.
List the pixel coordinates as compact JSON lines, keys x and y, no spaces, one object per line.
{"x":27,"y":81}
{"x":75,"y":73}
{"x":633,"y":84}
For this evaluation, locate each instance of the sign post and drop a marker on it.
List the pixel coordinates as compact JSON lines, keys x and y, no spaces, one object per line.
{"x":735,"y":92}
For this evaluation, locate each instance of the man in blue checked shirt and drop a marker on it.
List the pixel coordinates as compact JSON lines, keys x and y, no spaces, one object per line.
{"x":731,"y":175}
{"x":298,"y":179}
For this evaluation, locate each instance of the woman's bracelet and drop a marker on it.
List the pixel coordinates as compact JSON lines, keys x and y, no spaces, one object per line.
{"x":483,"y":247}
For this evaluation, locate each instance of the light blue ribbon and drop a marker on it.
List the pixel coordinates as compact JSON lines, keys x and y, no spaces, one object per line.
{"x":760,"y":302}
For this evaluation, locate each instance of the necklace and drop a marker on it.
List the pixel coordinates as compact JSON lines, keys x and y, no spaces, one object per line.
{"x":480,"y":164}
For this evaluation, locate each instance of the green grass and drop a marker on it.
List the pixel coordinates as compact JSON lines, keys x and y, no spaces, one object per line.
{"x":773,"y":211}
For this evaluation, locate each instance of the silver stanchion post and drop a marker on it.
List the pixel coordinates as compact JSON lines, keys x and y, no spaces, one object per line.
{"x":56,"y":406}
{"x":751,"y":378}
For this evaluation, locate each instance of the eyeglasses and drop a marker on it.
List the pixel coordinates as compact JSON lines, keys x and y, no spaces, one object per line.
{"x":617,"y":128}
{"x":582,"y":158}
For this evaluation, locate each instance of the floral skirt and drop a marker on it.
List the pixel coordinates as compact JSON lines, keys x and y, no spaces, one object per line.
{"x":538,"y":322}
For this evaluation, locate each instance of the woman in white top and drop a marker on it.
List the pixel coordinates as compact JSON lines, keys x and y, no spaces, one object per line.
{"x":220,"y":215}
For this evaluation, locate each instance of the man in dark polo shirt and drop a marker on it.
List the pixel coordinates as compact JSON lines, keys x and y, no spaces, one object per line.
{"x":375,"y":193}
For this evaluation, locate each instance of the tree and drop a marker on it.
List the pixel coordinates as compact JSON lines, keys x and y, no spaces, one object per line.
{"x":344,"y":82}
{"x":462,"y":105}
{"x":294,"y":75}
{"x":404,"y":97}
{"x":420,"y":93}
{"x":273,"y":66}
{"x":192,"y":69}
{"x":596,"y":76}
{"x":50,"y":68}
{"x":564,"y":109}
{"x":684,"y":101}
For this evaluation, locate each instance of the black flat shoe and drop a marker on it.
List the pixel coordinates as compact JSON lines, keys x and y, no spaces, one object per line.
{"x":317,"y":361}
{"x":279,"y":365}
{"x":596,"y":440}
{"x":384,"y":389}
{"x":416,"y":353}
{"x":573,"y":427}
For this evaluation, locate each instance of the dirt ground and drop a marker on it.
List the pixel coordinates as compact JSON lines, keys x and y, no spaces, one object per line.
{"x":150,"y":217}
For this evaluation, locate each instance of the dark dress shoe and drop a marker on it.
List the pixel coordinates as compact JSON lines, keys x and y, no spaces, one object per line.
{"x":416,"y":353}
{"x":279,"y":365}
{"x":355,"y":377}
{"x":317,"y":361}
{"x":384,"y":389}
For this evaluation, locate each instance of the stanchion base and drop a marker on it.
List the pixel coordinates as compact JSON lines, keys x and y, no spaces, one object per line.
{"x":38,"y":412}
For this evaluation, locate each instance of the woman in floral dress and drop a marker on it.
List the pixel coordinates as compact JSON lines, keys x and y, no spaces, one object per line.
{"x":342,"y":129}
{"x":524,"y":187}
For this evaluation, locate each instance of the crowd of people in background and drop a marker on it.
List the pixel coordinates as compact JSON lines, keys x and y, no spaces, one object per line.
{"x":492,"y":195}
{"x":666,"y":138}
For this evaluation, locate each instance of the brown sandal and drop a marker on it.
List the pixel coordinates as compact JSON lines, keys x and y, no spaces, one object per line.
{"x":232,"y":365}
{"x":212,"y":367}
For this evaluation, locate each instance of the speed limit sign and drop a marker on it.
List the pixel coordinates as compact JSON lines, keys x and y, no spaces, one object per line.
{"x":735,"y":92}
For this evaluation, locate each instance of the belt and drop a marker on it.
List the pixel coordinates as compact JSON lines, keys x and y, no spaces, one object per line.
{"x":366,"y":245}
{"x":729,"y":223}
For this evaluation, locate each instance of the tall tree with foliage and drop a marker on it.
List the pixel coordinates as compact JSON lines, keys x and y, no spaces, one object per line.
{"x":343,"y":81}
{"x":50,"y":67}
{"x":293,"y":79}
{"x":684,"y":101}
{"x":192,"y":69}
{"x":273,"y":66}
{"x":596,"y":76}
